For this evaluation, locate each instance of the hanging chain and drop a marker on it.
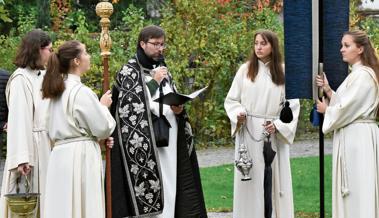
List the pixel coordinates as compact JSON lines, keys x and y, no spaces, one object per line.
{"x":263,"y":136}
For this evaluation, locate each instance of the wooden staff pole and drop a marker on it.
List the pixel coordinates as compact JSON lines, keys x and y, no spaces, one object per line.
{"x":104,"y":10}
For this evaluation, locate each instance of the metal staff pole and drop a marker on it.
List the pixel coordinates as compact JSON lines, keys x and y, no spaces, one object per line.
{"x":104,"y":9}
{"x":320,"y":95}
{"x":317,"y":68}
{"x":321,"y":154}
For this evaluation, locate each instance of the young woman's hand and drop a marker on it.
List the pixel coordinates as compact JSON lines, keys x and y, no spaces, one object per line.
{"x":322,"y":105}
{"x":106,"y":99}
{"x":24,"y":169}
{"x":109,"y":142}
{"x":322,"y":82}
{"x":241,"y":118}
{"x":270,"y":128}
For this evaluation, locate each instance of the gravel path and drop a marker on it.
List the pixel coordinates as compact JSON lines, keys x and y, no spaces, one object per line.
{"x":221,"y":156}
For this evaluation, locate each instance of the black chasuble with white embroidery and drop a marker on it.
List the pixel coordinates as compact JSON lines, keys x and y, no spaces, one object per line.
{"x":136,"y":179}
{"x":137,"y":184}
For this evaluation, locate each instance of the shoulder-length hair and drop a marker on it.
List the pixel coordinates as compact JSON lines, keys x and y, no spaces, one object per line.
{"x":275,"y":64}
{"x":28,"y":53}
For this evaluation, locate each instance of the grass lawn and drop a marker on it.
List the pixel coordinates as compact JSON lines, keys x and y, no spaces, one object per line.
{"x":218,"y":187}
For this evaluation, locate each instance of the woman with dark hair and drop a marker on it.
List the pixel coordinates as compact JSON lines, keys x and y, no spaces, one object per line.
{"x":253,"y":105}
{"x":77,"y":120}
{"x":351,"y":112}
{"x":28,"y":145}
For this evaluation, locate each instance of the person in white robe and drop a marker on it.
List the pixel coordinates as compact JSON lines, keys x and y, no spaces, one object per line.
{"x":28,"y":144}
{"x":257,"y":95}
{"x":351,"y":114}
{"x":77,"y":120}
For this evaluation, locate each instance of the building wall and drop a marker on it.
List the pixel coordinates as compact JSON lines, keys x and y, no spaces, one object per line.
{"x":370,"y":5}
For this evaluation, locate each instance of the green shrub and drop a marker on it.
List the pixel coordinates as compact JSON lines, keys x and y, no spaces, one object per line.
{"x":217,"y":39}
{"x":207,"y":42}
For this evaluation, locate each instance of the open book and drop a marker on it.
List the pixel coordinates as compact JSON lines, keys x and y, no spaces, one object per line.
{"x":176,"y":99}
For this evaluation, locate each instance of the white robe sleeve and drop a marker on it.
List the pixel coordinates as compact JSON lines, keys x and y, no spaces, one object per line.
{"x":286,"y":131}
{"x":232,"y":103}
{"x":20,"y":124}
{"x":91,"y":115}
{"x":352,"y":104}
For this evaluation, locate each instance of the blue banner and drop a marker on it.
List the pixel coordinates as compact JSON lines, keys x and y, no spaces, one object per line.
{"x":298,"y":48}
{"x":335,"y":23}
{"x":332,"y":23}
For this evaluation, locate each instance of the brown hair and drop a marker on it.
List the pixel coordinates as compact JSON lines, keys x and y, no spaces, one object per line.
{"x":275,"y":64}
{"x":28,"y":54}
{"x":368,"y":56}
{"x":150,"y":32}
{"x":57,"y":68}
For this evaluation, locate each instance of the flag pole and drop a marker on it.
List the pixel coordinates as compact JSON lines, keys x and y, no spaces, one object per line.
{"x":321,"y":154}
{"x":320,"y":95}
{"x":104,"y":9}
{"x":317,"y":69}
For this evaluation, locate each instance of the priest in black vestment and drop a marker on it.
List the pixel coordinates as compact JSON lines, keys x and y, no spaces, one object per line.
{"x":148,"y":178}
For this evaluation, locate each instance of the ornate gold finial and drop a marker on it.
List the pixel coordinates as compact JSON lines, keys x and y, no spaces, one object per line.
{"x":104,"y":9}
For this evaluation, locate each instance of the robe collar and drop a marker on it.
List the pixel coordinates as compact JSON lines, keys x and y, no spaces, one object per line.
{"x":146,"y":61}
{"x":263,"y":67}
{"x":73,"y":77}
{"x":356,"y":66}
{"x":34,"y":72}
{"x":261,"y":64}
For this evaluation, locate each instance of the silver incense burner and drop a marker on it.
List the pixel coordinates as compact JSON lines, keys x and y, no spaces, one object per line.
{"x":244,"y":162}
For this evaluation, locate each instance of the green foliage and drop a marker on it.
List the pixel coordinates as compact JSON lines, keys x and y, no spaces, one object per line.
{"x":215,"y":38}
{"x":43,"y":18}
{"x":8,"y":49}
{"x":26,"y":19}
{"x":123,"y":42}
{"x":370,"y":25}
{"x":77,"y":21}
{"x":9,"y":43}
{"x":4,"y":14}
{"x":133,"y":21}
{"x":305,"y":130}
{"x":218,"y":40}
{"x":19,"y":11}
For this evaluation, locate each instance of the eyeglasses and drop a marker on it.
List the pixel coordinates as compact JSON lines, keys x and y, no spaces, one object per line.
{"x":158,"y":45}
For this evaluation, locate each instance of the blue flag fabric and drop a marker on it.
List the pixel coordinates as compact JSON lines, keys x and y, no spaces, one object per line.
{"x":298,"y":48}
{"x":335,"y":23}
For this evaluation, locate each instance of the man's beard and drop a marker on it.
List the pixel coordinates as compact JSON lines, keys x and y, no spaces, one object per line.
{"x":154,"y":56}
